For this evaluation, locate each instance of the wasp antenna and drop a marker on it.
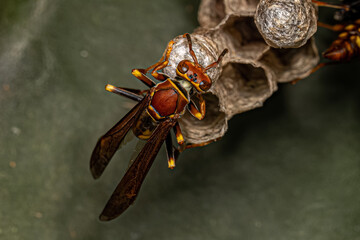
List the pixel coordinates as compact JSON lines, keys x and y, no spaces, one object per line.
{"x":214,"y":64}
{"x":192,"y":53}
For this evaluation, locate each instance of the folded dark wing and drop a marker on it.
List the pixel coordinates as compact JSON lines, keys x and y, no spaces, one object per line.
{"x":129,"y":186}
{"x":108,"y":144}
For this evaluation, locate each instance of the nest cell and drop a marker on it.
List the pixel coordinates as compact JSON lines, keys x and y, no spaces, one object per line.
{"x":241,"y":7}
{"x":292,"y":63}
{"x":211,"y":12}
{"x":243,"y":85}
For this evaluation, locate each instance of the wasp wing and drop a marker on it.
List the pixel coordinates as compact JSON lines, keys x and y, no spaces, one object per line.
{"x":129,"y":186}
{"x":108,"y":144}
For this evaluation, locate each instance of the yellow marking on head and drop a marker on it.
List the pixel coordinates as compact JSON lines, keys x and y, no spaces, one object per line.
{"x":136,"y":73}
{"x":343,"y":35}
{"x":357,"y":41}
{"x":171,"y":163}
{"x":350,"y":27}
{"x":109,"y":87}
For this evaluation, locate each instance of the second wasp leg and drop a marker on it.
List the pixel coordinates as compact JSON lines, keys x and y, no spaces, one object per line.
{"x":201,"y":144}
{"x":317,"y":67}
{"x":335,"y":28}
{"x":199,"y":114}
{"x":170,"y":152}
{"x":163,"y":62}
{"x":126,"y":92}
{"x":141,"y":75}
{"x":324,"y":4}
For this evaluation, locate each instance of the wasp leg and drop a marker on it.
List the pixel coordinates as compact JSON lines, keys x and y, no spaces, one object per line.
{"x":323,"y":4}
{"x":170,"y":152}
{"x":199,"y":114}
{"x":180,"y":140}
{"x":317,"y":67}
{"x":192,"y":145}
{"x":140,"y":74}
{"x":162,"y":63}
{"x":179,"y":136}
{"x":136,"y":91}
{"x":133,"y":94}
{"x":335,"y":28}
{"x":201,"y":144}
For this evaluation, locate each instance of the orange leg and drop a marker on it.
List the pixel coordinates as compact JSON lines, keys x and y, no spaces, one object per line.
{"x":201,"y":144}
{"x":187,"y":146}
{"x":162,"y":63}
{"x":173,"y":152}
{"x":179,"y":137}
{"x":136,"y":91}
{"x":199,"y":114}
{"x":183,"y":145}
{"x":336,"y":28}
{"x":180,"y":140}
{"x":170,"y":152}
{"x":323,"y":4}
{"x":141,"y":75}
{"x":133,"y":94}
{"x":317,"y":67}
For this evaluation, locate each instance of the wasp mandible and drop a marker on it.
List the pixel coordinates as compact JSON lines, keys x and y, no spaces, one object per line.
{"x":156,"y":113}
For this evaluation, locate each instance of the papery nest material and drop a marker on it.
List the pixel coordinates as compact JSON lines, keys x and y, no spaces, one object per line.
{"x":247,"y":75}
{"x":286,"y":23}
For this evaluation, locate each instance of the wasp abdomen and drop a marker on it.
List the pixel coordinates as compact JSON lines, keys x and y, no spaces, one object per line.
{"x":144,"y":126}
{"x":347,"y":46}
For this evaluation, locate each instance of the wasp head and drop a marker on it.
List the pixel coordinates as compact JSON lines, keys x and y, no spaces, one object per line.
{"x":193,"y":72}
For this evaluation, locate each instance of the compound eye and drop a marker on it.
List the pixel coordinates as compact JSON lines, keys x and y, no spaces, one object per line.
{"x":182,"y":67}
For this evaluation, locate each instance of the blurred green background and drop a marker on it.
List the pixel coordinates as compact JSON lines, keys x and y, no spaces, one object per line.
{"x":288,"y":170}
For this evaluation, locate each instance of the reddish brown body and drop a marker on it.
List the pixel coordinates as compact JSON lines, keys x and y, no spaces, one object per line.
{"x":156,"y":113}
{"x":167,"y":99}
{"x":347,"y":46}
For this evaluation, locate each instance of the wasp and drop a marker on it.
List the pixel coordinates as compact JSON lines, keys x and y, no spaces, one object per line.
{"x":347,"y":45}
{"x":156,"y":113}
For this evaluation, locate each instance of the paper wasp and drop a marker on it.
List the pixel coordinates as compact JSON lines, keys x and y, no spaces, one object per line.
{"x":347,"y":45}
{"x":156,"y":113}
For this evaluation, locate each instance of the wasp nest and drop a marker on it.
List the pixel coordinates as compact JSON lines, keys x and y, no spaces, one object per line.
{"x":286,"y":23}
{"x":247,"y":75}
